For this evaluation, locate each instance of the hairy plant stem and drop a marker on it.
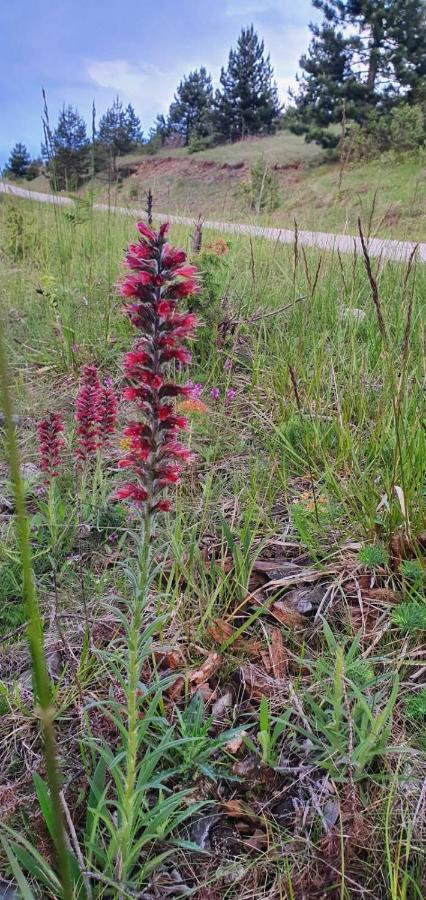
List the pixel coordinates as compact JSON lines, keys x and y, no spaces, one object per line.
{"x":129,"y":810}
{"x":42,"y":686}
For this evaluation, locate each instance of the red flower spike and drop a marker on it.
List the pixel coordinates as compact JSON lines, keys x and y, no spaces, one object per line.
{"x":165,"y":308}
{"x":106,"y":414}
{"x":157,"y":278}
{"x":50,"y":430}
{"x":140,"y":250}
{"x":87,"y":410}
{"x":134,"y":285}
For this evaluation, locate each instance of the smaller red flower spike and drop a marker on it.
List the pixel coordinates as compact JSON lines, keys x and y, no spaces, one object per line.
{"x":87,"y":413}
{"x":106,"y":414}
{"x":50,"y":430}
{"x":157,"y":280}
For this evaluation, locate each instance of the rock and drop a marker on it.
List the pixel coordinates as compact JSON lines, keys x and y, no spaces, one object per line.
{"x":352,"y":314}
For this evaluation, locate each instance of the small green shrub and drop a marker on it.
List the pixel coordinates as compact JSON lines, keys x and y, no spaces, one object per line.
{"x":153,"y":145}
{"x":407,"y":127}
{"x":413,"y":572}
{"x":410,"y":617}
{"x":207,"y":304}
{"x":415,"y":705}
{"x":18,"y":226}
{"x":348,"y":721}
{"x":262,"y":191}
{"x":402,"y":130}
{"x":198,"y":143}
{"x":373,"y":557}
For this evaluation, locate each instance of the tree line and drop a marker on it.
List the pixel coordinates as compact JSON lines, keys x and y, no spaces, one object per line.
{"x":365,"y":69}
{"x":68,"y":154}
{"x":246,"y":103}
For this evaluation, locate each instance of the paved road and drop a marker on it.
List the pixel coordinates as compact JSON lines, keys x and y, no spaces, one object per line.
{"x":396,"y":250}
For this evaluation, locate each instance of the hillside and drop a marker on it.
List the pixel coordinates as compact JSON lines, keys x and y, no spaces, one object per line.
{"x":387,"y":193}
{"x":216,"y":183}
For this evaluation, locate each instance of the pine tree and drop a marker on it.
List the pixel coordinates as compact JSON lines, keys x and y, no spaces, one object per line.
{"x":119,"y":130}
{"x":190,"y":113}
{"x":68,"y":150}
{"x":160,"y":129}
{"x":133,"y":127}
{"x":367,"y":55}
{"x":19,"y":161}
{"x":248,"y":101}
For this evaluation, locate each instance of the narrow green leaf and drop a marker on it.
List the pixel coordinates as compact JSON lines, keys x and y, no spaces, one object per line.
{"x":26,"y":892}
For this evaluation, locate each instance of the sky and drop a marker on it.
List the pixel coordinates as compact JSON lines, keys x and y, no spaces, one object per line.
{"x":82,"y":51}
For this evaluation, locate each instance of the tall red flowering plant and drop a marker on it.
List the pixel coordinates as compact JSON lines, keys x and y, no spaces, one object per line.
{"x":50,"y":443}
{"x":157,"y":279}
{"x":95,"y":414}
{"x":87,"y":411}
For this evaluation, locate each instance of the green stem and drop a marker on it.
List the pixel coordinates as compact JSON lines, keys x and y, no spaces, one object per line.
{"x":129,"y":809}
{"x":42,"y":685}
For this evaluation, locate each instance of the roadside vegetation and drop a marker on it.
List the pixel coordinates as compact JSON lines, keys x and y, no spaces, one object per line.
{"x":272,"y":181}
{"x":244,"y":713}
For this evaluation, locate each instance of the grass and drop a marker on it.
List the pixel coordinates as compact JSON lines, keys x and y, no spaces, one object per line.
{"x":282,"y":744}
{"x":283,"y":148}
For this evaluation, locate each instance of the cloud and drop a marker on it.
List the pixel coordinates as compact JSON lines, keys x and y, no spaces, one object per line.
{"x":284,"y":83}
{"x":147,"y":87}
{"x":150,"y":88}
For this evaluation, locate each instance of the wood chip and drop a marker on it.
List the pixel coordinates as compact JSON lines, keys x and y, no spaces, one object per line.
{"x":221,"y":631}
{"x":235,"y":743}
{"x":258,"y":684}
{"x":206,"y":670}
{"x":176,"y":689}
{"x":170,"y":659}
{"x":287,"y":616}
{"x":279,"y":659}
{"x":381,"y":595}
{"x":235,"y":809}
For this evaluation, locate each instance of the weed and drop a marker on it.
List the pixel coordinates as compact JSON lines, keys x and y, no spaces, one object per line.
{"x":410,"y":616}
{"x":373,"y":557}
{"x":415,"y":705}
